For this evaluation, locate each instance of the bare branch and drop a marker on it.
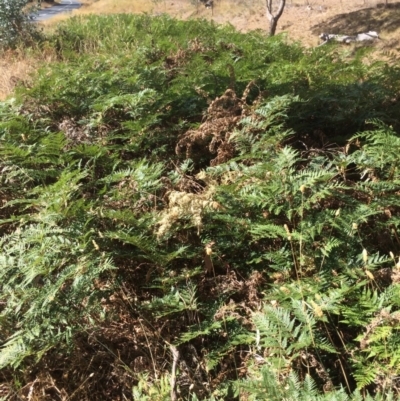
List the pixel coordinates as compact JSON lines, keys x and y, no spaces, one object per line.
{"x":273,"y":18}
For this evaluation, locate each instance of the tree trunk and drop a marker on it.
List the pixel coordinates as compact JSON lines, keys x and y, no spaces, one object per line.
{"x":273,"y":23}
{"x":274,"y":17}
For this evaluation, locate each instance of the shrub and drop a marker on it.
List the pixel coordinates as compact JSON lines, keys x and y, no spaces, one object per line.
{"x":16,"y":23}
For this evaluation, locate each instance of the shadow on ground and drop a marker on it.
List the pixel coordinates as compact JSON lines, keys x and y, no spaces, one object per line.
{"x":379,"y":18}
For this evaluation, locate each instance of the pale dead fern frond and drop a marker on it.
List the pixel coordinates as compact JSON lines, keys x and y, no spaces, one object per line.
{"x":73,"y":131}
{"x":186,"y":206}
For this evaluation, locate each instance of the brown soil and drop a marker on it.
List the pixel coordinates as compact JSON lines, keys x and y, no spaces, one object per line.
{"x":47,"y":3}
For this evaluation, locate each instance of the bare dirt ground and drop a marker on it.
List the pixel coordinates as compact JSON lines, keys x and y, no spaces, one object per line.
{"x":305,"y":20}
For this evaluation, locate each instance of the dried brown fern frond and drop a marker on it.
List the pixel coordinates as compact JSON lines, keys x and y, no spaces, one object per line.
{"x":212,"y":136}
{"x":176,"y":60}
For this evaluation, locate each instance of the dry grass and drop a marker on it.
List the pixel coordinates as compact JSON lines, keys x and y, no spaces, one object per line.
{"x":18,"y":67}
{"x":13,"y":69}
{"x":112,"y":6}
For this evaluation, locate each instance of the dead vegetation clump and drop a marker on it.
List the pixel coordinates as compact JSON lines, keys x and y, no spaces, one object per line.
{"x":18,"y":67}
{"x":134,"y":345}
{"x":14,"y":69}
{"x":73,"y":131}
{"x":212,"y":136}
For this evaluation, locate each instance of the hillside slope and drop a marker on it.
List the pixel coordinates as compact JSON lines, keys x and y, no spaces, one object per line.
{"x":303,"y":20}
{"x":194,"y":213}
